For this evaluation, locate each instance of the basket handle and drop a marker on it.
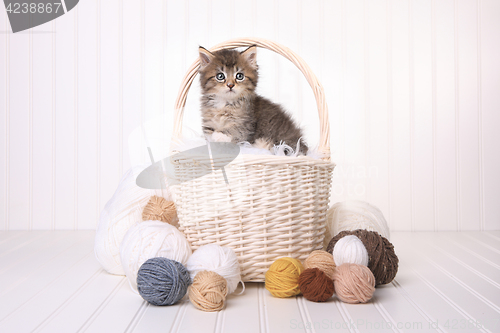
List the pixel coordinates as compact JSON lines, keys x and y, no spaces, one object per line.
{"x":324,"y":140}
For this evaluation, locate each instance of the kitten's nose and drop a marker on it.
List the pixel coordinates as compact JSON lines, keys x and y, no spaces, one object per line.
{"x":230,"y":85}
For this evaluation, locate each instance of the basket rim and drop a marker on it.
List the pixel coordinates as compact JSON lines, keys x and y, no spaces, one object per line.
{"x":251,"y":159}
{"x":318,"y":91}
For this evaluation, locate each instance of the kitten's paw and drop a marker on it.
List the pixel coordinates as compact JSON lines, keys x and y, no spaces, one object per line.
{"x":263,"y":144}
{"x":220,"y":137}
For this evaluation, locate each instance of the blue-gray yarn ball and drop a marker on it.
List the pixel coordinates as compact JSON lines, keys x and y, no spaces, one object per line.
{"x":162,"y":281}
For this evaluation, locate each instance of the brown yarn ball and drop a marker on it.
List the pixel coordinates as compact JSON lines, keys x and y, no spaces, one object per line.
{"x":323,"y":261}
{"x":383,"y":261}
{"x":159,"y":209}
{"x":354,"y":283}
{"x":208,"y":291}
{"x":315,"y":285}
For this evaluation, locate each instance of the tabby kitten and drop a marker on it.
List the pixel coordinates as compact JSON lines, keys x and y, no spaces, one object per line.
{"x":232,"y":111}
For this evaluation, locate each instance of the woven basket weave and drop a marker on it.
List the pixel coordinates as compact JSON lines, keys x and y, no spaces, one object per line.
{"x":271,"y":206}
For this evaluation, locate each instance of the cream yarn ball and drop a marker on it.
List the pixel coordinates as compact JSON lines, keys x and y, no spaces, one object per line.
{"x":350,"y":250}
{"x":122,"y":211}
{"x":150,"y":239}
{"x":354,"y":214}
{"x":218,"y":259}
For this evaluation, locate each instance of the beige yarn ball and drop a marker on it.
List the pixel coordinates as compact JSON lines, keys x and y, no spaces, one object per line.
{"x":321,"y":260}
{"x":208,"y":291}
{"x":150,"y":239}
{"x":354,"y":214}
{"x":159,"y":209}
{"x":122,"y":211}
{"x":354,"y":283}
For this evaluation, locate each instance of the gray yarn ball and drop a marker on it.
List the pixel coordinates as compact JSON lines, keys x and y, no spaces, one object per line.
{"x":162,"y":281}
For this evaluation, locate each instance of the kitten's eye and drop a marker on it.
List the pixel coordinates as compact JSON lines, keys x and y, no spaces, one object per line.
{"x":240,"y":76}
{"x":220,"y":76}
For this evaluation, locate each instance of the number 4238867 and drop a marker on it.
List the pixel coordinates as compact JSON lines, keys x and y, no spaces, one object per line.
{"x":32,"y":8}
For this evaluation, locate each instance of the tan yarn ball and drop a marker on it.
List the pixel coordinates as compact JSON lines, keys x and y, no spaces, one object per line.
{"x":354,"y":283}
{"x":208,"y":291}
{"x":159,"y":209}
{"x":321,"y":260}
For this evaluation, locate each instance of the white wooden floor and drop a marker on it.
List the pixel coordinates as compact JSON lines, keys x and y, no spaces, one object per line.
{"x":447,"y":282}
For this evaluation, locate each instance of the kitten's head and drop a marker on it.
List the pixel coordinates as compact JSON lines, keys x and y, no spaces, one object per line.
{"x":228,"y":73}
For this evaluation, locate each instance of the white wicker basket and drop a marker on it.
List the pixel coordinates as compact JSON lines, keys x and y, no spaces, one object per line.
{"x":272,"y":206}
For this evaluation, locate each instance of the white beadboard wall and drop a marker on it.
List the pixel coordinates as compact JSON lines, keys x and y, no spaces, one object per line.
{"x":413,"y":89}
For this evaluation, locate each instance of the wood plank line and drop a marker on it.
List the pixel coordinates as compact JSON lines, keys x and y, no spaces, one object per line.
{"x":472,"y":305}
{"x":465,"y":286}
{"x":490,"y":234}
{"x":75,"y":121}
{"x":489,"y":262}
{"x":8,"y":250}
{"x":304,"y":314}
{"x":470,"y":268}
{"x":103,"y":305}
{"x":411,"y":54}
{"x":242,"y":312}
{"x":55,"y":314}
{"x":457,"y":119}
{"x":366,"y":93}
{"x":485,"y":238}
{"x":390,"y":110}
{"x":415,"y":305}
{"x":98,"y":111}
{"x":447,"y":299}
{"x":7,"y":128}
{"x":28,"y":286}
{"x":179,"y":317}
{"x":34,"y":259}
{"x":434,"y":117}
{"x":45,"y":301}
{"x":30,"y":126}
{"x":482,"y":223}
{"x":219,"y":321}
{"x":53,"y":138}
{"x":137,"y":317}
{"x":346,"y":317}
{"x":8,"y":236}
{"x":488,"y":246}
{"x":263,"y":318}
{"x":386,"y":315}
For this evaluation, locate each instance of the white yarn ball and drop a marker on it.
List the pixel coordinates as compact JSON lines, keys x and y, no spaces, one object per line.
{"x":350,"y":250}
{"x":122,"y":211}
{"x":150,"y":239}
{"x":354,"y":214}
{"x":218,"y":259}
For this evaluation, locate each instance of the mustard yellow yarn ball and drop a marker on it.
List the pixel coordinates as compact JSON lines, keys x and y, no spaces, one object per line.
{"x":282,"y":278}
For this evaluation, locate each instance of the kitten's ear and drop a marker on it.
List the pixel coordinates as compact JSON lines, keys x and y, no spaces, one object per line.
{"x":205,"y":56}
{"x":250,"y":56}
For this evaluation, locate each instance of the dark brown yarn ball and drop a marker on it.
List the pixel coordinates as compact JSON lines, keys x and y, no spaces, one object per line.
{"x":315,"y":285}
{"x":383,"y":261}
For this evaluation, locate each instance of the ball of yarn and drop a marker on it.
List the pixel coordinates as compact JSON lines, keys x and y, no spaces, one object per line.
{"x":219,"y":259}
{"x":322,"y":260}
{"x":350,"y":249}
{"x":161,"y":281}
{"x":382,"y":259}
{"x":352,"y":215}
{"x":282,"y":278}
{"x":121,"y":212}
{"x":150,"y":239}
{"x":354,"y":283}
{"x":315,"y":285}
{"x":208,"y":291}
{"x":159,"y":209}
